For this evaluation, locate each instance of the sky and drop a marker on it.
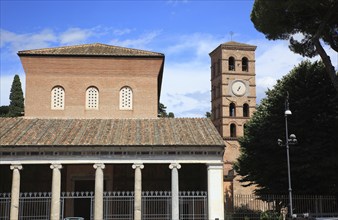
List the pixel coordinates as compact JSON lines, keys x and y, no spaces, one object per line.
{"x":186,"y":31}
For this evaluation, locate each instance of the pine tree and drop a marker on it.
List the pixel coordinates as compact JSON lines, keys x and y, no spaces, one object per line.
{"x":16,"y":106}
{"x":314,"y":120}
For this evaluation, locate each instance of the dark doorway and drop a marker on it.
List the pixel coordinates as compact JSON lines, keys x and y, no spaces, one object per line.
{"x":82,"y":205}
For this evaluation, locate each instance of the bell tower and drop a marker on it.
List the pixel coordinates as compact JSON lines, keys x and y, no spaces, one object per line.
{"x":233,"y":101}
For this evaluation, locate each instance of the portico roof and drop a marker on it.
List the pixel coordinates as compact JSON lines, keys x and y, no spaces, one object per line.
{"x":109,"y":132}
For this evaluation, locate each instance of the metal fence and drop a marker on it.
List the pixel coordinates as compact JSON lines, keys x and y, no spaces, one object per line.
{"x":269,"y":206}
{"x":117,"y":205}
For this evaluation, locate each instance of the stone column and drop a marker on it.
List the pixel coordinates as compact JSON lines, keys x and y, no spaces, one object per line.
{"x":56,"y":191}
{"x":175,"y":208}
{"x":138,"y":191}
{"x":98,"y":197}
{"x":215,"y":191}
{"x":15,"y":195}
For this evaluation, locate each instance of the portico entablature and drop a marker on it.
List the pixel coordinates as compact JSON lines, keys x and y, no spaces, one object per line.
{"x":110,"y":155}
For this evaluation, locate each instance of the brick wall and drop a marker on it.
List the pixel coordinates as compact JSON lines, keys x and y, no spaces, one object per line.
{"x":76,"y":74}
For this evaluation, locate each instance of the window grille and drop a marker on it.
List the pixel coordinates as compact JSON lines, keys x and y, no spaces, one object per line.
{"x":126,"y":98}
{"x":58,"y":98}
{"x":92,"y":98}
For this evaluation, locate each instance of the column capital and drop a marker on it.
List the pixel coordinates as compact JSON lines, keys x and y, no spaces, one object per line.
{"x":137,"y":165}
{"x":16,"y":167}
{"x":56,"y":166}
{"x":215,"y":166}
{"x":175,"y":165}
{"x":99,"y":165}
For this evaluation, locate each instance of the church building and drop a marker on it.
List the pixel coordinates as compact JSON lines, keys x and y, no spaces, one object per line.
{"x":91,"y":144}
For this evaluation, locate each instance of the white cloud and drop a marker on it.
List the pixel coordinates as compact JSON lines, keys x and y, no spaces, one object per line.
{"x":16,"y":42}
{"x":75,"y":36}
{"x":120,"y":32}
{"x":140,"y":42}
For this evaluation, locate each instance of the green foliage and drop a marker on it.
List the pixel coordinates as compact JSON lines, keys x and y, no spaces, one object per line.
{"x":4,"y":110}
{"x":162,"y":112}
{"x":208,"y":115}
{"x":313,"y":20}
{"x":270,"y":215}
{"x":314,"y":120}
{"x":16,"y":106}
{"x":282,"y":19}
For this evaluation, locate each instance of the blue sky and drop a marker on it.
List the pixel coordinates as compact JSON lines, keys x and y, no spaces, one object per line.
{"x":184,"y":30}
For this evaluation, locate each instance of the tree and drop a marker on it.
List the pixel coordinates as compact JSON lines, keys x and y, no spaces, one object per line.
{"x":316,"y":20}
{"x":208,"y":115}
{"x":314,"y":105}
{"x":16,"y":106}
{"x":4,"y":109}
{"x":162,"y":112}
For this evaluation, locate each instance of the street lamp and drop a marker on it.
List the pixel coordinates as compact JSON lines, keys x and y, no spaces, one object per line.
{"x":288,"y":141}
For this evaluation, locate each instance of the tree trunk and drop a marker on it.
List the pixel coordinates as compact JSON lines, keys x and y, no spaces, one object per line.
{"x":327,"y":62}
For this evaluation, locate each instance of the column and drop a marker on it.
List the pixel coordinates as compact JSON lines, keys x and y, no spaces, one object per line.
{"x":15,"y":195}
{"x":175,"y":211}
{"x":56,"y":191}
{"x":138,"y":191}
{"x":215,"y":191}
{"x":98,"y":197}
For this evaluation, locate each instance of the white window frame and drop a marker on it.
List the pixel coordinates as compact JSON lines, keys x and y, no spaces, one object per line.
{"x":58,"y":96}
{"x":126,"y":98}
{"x":92,"y":100}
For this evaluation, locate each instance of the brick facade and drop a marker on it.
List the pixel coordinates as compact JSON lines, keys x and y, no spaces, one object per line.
{"x":108,"y":74}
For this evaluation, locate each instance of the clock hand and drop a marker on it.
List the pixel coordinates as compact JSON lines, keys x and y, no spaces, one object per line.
{"x":238,"y":88}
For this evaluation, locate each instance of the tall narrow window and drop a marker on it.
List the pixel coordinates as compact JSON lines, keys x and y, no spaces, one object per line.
{"x":126,"y":98}
{"x":57,"y":98}
{"x":245,"y":64}
{"x":232,"y":130}
{"x":232,"y":109}
{"x":245,"y":110}
{"x":231,"y":64}
{"x":244,"y":129}
{"x":92,"y":98}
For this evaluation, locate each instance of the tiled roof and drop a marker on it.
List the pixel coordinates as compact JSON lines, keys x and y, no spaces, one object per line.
{"x":96,"y":49}
{"x":234,"y":43}
{"x":113,"y":132}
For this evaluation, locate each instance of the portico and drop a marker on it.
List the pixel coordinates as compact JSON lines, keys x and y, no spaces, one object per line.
{"x":102,"y":161}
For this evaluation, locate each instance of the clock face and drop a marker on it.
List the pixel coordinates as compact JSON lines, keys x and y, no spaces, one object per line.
{"x":238,"y":88}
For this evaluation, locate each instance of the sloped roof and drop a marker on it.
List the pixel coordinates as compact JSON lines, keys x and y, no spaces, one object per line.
{"x":96,"y":49}
{"x":233,"y":45}
{"x":109,"y":132}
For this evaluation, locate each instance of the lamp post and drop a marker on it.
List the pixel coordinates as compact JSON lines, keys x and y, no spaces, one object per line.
{"x":288,"y":141}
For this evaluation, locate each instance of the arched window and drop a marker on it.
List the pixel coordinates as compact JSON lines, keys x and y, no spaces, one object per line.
{"x":245,"y":110}
{"x":245,"y":64}
{"x":231,"y":64}
{"x":244,"y":128}
{"x":92,"y":98}
{"x":232,"y":110}
{"x":126,"y":98}
{"x":232,"y":130}
{"x":57,"y":98}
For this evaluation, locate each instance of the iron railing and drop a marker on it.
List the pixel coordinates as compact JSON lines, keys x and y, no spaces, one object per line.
{"x":117,"y":205}
{"x":269,"y":206}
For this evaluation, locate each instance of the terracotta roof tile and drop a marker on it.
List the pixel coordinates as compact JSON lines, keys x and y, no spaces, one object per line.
{"x":96,"y":49}
{"x":112,"y":132}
